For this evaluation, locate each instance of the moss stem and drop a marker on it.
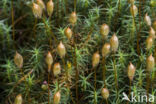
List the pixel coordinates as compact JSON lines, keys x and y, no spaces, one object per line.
{"x":133,"y":32}
{"x":34,"y":28}
{"x":130,"y":84}
{"x":75,"y":65}
{"x":147,"y":84}
{"x":76,"y":74}
{"x":50,"y":40}
{"x":99,"y":2}
{"x":147,"y":79}
{"x":66,"y":70}
{"x":75,"y":1}
{"x":95,"y":78}
{"x":66,"y":5}
{"x":48,"y":29}
{"x":153,"y":72}
{"x":57,"y":13}
{"x":138,"y":34}
{"x":58,"y":84}
{"x":22,"y":73}
{"x":117,"y":15}
{"x":106,"y":101}
{"x":48,"y":88}
{"x":13,"y":26}
{"x":67,"y":78}
{"x":95,"y":102}
{"x":115,"y":76}
{"x":104,"y":71}
{"x":88,"y":36}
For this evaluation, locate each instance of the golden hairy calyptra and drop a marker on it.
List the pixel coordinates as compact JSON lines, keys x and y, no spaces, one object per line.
{"x":95,"y":59}
{"x":61,"y":50}
{"x":18,"y":99}
{"x":105,"y":93}
{"x":50,"y":7}
{"x":114,"y":42}
{"x":57,"y":97}
{"x":131,"y":71}
{"x":18,"y":60}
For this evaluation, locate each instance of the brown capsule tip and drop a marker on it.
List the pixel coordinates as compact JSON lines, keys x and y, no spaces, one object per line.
{"x":132,"y":1}
{"x":130,"y":64}
{"x":73,"y":14}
